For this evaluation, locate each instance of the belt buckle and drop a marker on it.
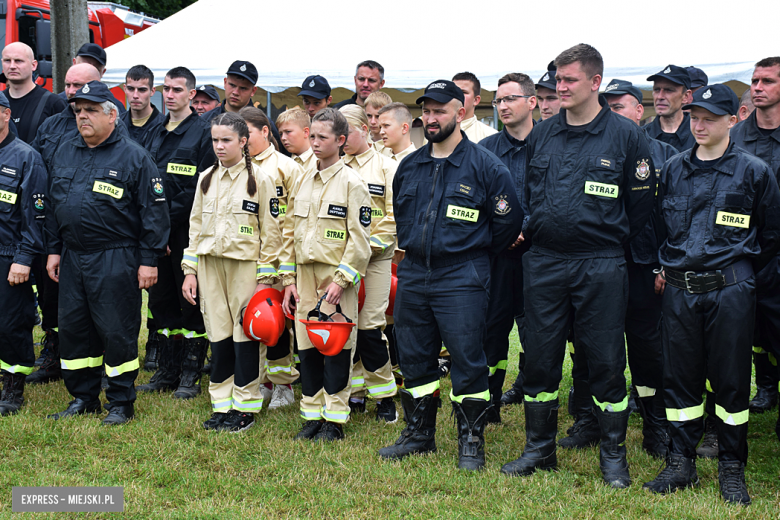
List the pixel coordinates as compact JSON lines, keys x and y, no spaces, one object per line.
{"x":688,"y":282}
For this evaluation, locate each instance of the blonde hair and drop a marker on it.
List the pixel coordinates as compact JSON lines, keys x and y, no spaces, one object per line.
{"x":295,"y":115}
{"x":378,"y":99}
{"x":355,"y":116}
{"x":399,"y":111}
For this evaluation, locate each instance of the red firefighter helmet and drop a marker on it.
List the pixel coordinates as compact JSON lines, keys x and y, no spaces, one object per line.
{"x":263,"y":318}
{"x":361,"y":295}
{"x":393,"y":288}
{"x":328,"y":333}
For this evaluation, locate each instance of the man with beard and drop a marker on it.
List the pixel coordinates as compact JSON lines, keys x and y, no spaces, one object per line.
{"x":455,"y":206}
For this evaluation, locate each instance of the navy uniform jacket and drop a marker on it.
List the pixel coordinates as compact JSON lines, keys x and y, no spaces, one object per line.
{"x":22,"y":201}
{"x":712,"y":220}
{"x":682,"y":139}
{"x":747,"y":135}
{"x":180,"y":155}
{"x":106,"y":197}
{"x":138,"y":133}
{"x":456,"y":210}
{"x":589,"y":190}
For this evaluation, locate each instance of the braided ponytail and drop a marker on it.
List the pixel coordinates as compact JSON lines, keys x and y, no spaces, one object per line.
{"x":204,"y":185}
{"x":251,"y":183}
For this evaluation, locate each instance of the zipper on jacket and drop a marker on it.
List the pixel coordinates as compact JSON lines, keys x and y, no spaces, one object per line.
{"x":427,"y":212}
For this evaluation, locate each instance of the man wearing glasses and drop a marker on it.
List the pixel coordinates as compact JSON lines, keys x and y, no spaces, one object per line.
{"x":515,"y":102}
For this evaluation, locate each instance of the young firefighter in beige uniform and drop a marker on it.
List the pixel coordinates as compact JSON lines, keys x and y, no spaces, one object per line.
{"x":374,"y":102}
{"x":276,"y":363}
{"x":372,"y":370}
{"x":234,"y":240}
{"x":326,"y":250}
{"x":293,"y":125}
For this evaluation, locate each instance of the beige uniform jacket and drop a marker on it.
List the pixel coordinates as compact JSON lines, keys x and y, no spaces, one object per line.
{"x":476,"y":130}
{"x":307,"y":160}
{"x":227,"y":222}
{"x":378,"y":171}
{"x":283,"y":171}
{"x":380,"y":147}
{"x":400,"y":155}
{"x":328,"y":219}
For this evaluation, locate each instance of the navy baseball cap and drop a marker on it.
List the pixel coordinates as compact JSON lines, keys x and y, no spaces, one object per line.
{"x":698,"y":77}
{"x":4,"y":100}
{"x":316,"y":87}
{"x":93,"y":91}
{"x":618,"y":87}
{"x":674,"y":74}
{"x":443,"y":91}
{"x":209,"y":91}
{"x":94,"y":51}
{"x":718,"y":99}
{"x":244,"y":69}
{"x":548,"y":79}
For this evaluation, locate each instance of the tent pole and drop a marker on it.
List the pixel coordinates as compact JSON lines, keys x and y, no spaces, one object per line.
{"x":495,"y":118}
{"x":268,"y":104}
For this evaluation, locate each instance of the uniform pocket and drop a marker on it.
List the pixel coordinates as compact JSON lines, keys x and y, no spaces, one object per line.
{"x":462,"y":204}
{"x":602,"y":182}
{"x":332,"y":223}
{"x":183,"y":165}
{"x":110,"y":187}
{"x":732,"y":214}
{"x":404,"y":205}
{"x":61,"y":179}
{"x":9,"y":185}
{"x":676,"y":218}
{"x":536,"y":177}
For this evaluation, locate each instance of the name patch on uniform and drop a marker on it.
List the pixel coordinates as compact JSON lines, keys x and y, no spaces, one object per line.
{"x":601,"y":190}
{"x":459,"y":213}
{"x":605,"y":163}
{"x":8,"y":170}
{"x":376,"y":189}
{"x":279,"y":191}
{"x":365,"y":216}
{"x":335,"y":234}
{"x":250,"y":206}
{"x":464,"y":189}
{"x":246,"y":230}
{"x":108,"y":189}
{"x":733,"y":219}
{"x":337,"y":211}
{"x":7,"y":196}
{"x":274,"y":207}
{"x":377,"y":213}
{"x":113,"y":173}
{"x":181,"y":169}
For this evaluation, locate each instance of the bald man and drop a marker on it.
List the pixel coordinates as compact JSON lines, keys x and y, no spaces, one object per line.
{"x":30,"y":103}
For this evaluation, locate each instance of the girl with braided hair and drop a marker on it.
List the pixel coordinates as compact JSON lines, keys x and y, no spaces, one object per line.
{"x":234,"y":242}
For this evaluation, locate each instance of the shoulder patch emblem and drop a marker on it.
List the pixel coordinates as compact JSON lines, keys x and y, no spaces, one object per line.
{"x":158,"y":189}
{"x":642,"y":170}
{"x":502,"y":205}
{"x":365,"y":216}
{"x":274,"y":207}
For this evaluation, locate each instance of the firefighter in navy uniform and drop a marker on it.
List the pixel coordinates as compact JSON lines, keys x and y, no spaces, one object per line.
{"x":22,"y":201}
{"x":106,"y":226}
{"x":455,"y":205}
{"x":719,"y":210}
{"x":180,"y":145}
{"x":590,"y":188}
{"x":671,"y":124}
{"x":515,"y":101}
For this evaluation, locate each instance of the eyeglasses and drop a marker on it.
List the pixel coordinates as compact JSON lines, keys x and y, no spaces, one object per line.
{"x":507,"y":100}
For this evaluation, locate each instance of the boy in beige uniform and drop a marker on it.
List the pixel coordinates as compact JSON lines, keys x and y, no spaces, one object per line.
{"x":326,"y":251}
{"x":293,"y":125}
{"x":475,"y":130}
{"x":374,"y":103}
{"x":395,"y":125}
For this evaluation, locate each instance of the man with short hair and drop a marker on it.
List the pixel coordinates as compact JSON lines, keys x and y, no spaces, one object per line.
{"x":206,"y":99}
{"x":589,"y":189}
{"x":475,"y":130}
{"x":395,"y":125}
{"x":294,"y":131}
{"x":515,"y":101}
{"x":315,"y":92}
{"x":22,"y":205}
{"x":759,"y":134}
{"x":143,"y":115}
{"x":106,"y":227}
{"x":547,"y":98}
{"x":180,"y":146}
{"x":746,"y":105}
{"x":449,"y":230}
{"x":30,"y":103}
{"x":671,"y":88}
{"x":95,"y":55}
{"x":369,"y":77}
{"x":374,"y":103}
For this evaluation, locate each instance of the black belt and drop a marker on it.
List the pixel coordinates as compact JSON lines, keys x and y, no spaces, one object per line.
{"x":697,"y":282}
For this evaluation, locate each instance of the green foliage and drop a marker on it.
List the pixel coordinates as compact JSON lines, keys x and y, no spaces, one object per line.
{"x":156,"y":8}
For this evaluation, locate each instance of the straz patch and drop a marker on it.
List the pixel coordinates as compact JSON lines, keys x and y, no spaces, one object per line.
{"x":9,"y":170}
{"x":337,"y":211}
{"x":601,"y":190}
{"x":7,"y":197}
{"x":248,"y":231}
{"x":158,"y":190}
{"x":283,"y":209}
{"x":464,"y":189}
{"x":250,"y":206}
{"x":108,"y":189}
{"x":733,"y":220}
{"x":642,"y":170}
{"x":335,"y":234}
{"x":376,"y":189}
{"x":377,"y":213}
{"x":279,"y":191}
{"x":365,"y":216}
{"x":459,"y":213}
{"x":502,"y":205}
{"x":274,"y":207}
{"x":181,"y":169}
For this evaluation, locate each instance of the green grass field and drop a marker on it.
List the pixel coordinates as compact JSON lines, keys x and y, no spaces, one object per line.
{"x":171,"y":468}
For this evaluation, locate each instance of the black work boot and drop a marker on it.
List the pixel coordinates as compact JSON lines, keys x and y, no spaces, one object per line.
{"x":708,"y":449}
{"x":194,"y":355}
{"x":168,"y":373}
{"x":50,"y":369}
{"x":541,"y":427}
{"x":731,"y":477}
{"x":419,"y":436}
{"x":494,"y":412}
{"x":12,"y":397}
{"x":152,"y":356}
{"x":52,"y":337}
{"x":585,"y":431}
{"x":471,"y":415}
{"x":612,"y":458}
{"x":655,"y":427}
{"x":512,"y":396}
{"x":679,"y":473}
{"x":766,"y":384}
